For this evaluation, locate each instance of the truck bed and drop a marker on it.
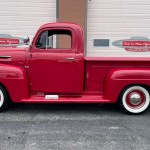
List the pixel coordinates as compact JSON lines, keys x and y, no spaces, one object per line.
{"x":97,"y":68}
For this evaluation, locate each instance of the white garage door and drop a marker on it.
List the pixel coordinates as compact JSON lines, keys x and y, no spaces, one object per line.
{"x":118,"y":28}
{"x":23,"y":17}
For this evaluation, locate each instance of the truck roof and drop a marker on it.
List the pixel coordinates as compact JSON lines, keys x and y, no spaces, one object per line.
{"x":61,"y":24}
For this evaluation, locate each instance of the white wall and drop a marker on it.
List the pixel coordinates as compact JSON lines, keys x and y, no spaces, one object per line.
{"x":23,"y":17}
{"x":116,"y":20}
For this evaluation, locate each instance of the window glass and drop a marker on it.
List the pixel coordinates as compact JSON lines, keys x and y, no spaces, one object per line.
{"x":55,"y":39}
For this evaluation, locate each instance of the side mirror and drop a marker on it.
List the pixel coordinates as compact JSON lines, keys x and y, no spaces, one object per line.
{"x":26,"y":39}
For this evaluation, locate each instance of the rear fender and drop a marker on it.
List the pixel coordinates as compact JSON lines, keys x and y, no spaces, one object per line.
{"x":14,"y":79}
{"x":117,"y":79}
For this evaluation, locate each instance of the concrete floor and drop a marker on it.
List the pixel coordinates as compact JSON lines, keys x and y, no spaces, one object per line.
{"x":73,"y":127}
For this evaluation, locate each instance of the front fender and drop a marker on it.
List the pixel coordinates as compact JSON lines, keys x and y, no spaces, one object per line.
{"x":14,"y":79}
{"x":117,"y":79}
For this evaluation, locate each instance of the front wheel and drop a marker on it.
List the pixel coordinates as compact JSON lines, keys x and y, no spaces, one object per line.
{"x":4,"y":99}
{"x":134,"y":99}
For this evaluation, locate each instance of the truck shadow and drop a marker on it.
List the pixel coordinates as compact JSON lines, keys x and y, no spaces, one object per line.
{"x":97,"y":110}
{"x":65,"y":107}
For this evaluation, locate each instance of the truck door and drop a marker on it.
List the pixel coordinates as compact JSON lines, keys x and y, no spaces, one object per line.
{"x":53,"y":62}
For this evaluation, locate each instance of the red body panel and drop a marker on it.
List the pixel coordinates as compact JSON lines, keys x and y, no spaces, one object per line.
{"x":98,"y":69}
{"x":30,"y":74}
{"x":51,"y":71}
{"x":118,"y":79}
{"x":110,"y":77}
{"x":15,"y":81}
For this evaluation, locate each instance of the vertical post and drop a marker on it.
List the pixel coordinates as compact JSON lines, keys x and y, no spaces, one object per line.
{"x":72,"y":11}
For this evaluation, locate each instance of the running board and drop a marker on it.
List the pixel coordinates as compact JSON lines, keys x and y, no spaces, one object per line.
{"x":66,"y":99}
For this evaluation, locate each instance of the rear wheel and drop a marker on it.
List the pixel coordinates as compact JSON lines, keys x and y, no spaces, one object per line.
{"x":134,"y":99}
{"x":4,"y":99}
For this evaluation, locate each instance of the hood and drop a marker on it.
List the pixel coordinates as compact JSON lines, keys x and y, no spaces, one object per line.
{"x":13,"y":55}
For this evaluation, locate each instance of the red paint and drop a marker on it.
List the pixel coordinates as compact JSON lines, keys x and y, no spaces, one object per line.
{"x":60,"y":75}
{"x":15,"y":80}
{"x":31,"y":73}
{"x":120,"y":78}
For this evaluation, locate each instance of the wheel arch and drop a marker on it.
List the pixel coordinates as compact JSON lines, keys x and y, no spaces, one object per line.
{"x":1,"y":84}
{"x":119,"y":79}
{"x":14,"y":80}
{"x":147,"y":87}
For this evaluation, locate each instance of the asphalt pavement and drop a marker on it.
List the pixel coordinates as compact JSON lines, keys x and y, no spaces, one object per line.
{"x":73,"y":127}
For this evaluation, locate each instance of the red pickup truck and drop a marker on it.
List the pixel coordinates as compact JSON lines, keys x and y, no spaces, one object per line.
{"x":54,"y":70}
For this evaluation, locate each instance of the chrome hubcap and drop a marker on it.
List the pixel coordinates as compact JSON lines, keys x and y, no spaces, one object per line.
{"x":135,"y":99}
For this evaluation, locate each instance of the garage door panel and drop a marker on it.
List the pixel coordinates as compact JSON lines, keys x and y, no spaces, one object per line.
{"x":116,"y":20}
{"x":19,"y":17}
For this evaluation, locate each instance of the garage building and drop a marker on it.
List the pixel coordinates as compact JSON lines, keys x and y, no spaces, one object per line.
{"x":105,"y":23}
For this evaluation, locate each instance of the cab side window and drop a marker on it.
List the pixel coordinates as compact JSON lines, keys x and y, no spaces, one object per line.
{"x":55,"y":39}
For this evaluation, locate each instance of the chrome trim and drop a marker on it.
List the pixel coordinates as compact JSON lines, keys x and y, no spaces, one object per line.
{"x":27,"y":66}
{"x":135,"y":99}
{"x":48,"y":97}
{"x":71,"y":58}
{"x":5,"y":57}
{"x":26,"y":39}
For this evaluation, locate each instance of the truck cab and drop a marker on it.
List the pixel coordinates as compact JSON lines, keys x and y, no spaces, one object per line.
{"x":56,"y":60}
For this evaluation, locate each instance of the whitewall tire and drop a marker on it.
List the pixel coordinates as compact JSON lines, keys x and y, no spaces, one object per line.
{"x":134,"y":99}
{"x":4,"y":99}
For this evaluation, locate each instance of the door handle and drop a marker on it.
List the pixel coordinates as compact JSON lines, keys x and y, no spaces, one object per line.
{"x":5,"y":58}
{"x":70,"y":58}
